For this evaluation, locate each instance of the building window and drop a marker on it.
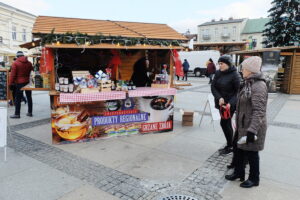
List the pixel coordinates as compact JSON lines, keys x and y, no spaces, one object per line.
{"x":234,"y":31}
{"x":216,"y":33}
{"x":207,"y":32}
{"x":1,"y":40}
{"x":24,"y":35}
{"x":225,"y":30}
{"x":14,"y":33}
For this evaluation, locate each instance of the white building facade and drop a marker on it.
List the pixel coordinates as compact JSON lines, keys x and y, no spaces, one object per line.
{"x":233,"y":30}
{"x":221,"y":31}
{"x":15,"y":29}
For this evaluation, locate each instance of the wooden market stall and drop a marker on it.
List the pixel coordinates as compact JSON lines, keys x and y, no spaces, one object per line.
{"x":106,"y":78}
{"x":288,"y":66}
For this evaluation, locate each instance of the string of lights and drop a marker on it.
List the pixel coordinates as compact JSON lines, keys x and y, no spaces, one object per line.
{"x":84,"y":39}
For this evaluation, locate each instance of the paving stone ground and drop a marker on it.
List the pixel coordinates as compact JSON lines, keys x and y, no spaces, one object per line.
{"x":205,"y":182}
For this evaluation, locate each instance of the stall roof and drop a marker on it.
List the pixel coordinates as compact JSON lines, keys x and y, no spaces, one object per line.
{"x":265,"y":49}
{"x":109,"y":46}
{"x":219,"y":43}
{"x":45,"y":24}
{"x":30,"y":45}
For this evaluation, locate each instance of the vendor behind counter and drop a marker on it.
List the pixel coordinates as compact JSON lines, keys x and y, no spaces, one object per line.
{"x":139,"y":76}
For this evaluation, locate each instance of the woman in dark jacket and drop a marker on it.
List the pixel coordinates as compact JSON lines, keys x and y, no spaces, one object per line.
{"x":251,"y":122}
{"x":224,"y":87}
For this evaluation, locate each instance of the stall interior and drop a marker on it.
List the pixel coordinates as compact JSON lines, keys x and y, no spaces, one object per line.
{"x":117,"y":68}
{"x":280,"y":67}
{"x":124,"y":74}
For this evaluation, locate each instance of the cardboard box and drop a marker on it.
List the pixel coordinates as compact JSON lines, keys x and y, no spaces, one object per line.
{"x":187,"y":119}
{"x":187,"y":123}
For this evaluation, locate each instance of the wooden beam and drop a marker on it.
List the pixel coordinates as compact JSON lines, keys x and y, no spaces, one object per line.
{"x":286,"y":53}
{"x":53,"y":72}
{"x":291,"y":72}
{"x":171,"y":68}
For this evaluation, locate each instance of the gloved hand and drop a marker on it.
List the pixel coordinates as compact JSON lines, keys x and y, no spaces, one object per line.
{"x":250,"y":137}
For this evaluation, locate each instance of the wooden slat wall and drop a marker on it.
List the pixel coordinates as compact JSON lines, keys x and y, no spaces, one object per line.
{"x":295,"y":78}
{"x":126,"y":68}
{"x":286,"y":77}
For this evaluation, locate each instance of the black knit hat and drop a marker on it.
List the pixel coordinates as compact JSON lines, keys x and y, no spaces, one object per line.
{"x":226,"y":59}
{"x":19,"y":54}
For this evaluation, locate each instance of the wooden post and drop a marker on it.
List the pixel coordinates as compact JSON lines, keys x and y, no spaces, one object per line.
{"x":52,"y":64}
{"x":171,"y":68}
{"x":291,"y":72}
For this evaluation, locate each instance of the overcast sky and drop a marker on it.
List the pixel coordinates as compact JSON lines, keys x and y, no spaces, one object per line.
{"x":180,"y":15}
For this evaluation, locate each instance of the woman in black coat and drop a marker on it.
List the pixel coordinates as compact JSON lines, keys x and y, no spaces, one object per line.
{"x":224,"y":87}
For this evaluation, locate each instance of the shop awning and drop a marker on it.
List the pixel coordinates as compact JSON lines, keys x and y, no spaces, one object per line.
{"x":7,"y":52}
{"x":30,"y":45}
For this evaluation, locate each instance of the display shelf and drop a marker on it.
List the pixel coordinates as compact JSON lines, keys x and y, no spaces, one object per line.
{"x":28,"y":87}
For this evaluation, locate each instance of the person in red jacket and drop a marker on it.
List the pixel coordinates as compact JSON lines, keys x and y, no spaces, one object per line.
{"x":19,"y":76}
{"x":211,"y":70}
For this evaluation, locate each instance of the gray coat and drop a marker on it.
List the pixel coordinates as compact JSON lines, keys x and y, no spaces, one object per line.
{"x":251,"y":111}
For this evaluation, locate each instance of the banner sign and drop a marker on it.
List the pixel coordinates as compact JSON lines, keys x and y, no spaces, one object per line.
{"x":119,"y":119}
{"x":134,"y":115}
{"x":157,"y":126}
{"x":270,"y":64}
{"x":3,"y":126}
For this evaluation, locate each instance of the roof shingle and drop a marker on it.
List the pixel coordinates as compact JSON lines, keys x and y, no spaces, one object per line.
{"x":45,"y":24}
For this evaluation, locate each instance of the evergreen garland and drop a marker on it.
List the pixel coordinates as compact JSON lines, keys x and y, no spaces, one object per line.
{"x":283,"y":29}
{"x":85,"y":39}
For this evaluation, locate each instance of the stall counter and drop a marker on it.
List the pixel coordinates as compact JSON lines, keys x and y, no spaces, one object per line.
{"x":82,"y":117}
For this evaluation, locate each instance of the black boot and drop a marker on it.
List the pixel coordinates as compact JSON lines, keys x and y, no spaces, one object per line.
{"x":234,"y":176}
{"x":225,"y":150}
{"x":248,"y":184}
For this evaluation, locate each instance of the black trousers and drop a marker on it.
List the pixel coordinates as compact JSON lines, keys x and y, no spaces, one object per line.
{"x":19,"y":96}
{"x":253,"y":158}
{"x":227,"y":129}
{"x":185,"y":75}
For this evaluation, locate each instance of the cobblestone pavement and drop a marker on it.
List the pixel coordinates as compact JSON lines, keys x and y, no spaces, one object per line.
{"x":205,"y":182}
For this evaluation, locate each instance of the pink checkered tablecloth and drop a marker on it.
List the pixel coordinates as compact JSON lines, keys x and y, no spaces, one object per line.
{"x":148,"y":91}
{"x":100,"y":96}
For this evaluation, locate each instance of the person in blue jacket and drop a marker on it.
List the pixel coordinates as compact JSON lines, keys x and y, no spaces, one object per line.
{"x":186,"y":67}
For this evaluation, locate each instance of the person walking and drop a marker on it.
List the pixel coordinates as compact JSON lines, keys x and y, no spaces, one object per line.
{"x":211,"y":70}
{"x":13,"y":91}
{"x":186,"y":67}
{"x":225,"y":87}
{"x":19,"y":77}
{"x":251,"y":122}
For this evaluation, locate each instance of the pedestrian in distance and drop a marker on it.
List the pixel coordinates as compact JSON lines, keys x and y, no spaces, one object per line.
{"x":186,"y":67}
{"x":19,"y":77}
{"x":13,"y":90}
{"x":251,"y":122}
{"x":225,"y":87}
{"x":210,"y":70}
